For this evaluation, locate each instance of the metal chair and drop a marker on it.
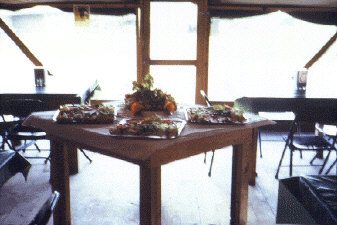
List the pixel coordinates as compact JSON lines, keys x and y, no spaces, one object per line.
{"x":329,"y":131}
{"x":20,"y":137}
{"x":47,"y":209}
{"x":299,"y":141}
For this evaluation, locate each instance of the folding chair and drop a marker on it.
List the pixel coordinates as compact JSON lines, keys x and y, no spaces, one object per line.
{"x":20,"y":137}
{"x":299,"y":141}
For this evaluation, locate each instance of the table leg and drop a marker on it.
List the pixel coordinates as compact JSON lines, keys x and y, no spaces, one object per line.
{"x":73,"y":160}
{"x":252,"y":153}
{"x":60,"y":181}
{"x":239,"y":195}
{"x":150,"y":195}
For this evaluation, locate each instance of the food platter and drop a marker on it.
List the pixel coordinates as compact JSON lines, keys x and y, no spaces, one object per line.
{"x":85,"y":114}
{"x":148,"y":128}
{"x":211,"y":115}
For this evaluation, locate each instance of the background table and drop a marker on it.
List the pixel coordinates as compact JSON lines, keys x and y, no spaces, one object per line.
{"x":52,"y":96}
{"x":288,"y":101}
{"x":150,"y":155}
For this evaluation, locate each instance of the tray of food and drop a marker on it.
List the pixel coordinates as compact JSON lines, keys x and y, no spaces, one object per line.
{"x":150,"y":128}
{"x":215,"y":115}
{"x":85,"y":114}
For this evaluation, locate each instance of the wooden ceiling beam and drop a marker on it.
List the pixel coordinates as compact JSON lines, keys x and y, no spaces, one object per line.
{"x":20,"y":44}
{"x":319,"y":54}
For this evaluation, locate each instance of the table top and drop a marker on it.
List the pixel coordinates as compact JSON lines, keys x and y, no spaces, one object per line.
{"x":48,"y":90}
{"x":287,"y":102}
{"x":291,"y":92}
{"x":194,"y":139}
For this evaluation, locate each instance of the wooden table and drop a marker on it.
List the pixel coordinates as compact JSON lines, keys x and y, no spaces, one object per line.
{"x":150,"y":155}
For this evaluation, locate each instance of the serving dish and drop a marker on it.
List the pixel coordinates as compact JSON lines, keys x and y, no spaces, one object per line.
{"x":212,"y":115}
{"x":85,"y":114}
{"x":148,"y":128}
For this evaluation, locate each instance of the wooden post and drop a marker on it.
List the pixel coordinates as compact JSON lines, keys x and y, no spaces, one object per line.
{"x":239,"y":195}
{"x":20,"y":44}
{"x":202,"y":50}
{"x":59,"y":168}
{"x":150,"y":195}
{"x":144,"y":40}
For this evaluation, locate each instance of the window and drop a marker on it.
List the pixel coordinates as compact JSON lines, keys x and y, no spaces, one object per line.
{"x":260,"y":55}
{"x":104,"y":51}
{"x":174,"y":37}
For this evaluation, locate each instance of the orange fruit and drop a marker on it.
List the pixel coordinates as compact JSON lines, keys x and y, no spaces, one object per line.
{"x":136,"y":107}
{"x":170,"y":106}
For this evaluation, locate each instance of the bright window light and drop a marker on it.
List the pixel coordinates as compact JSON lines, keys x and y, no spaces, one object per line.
{"x":104,"y":51}
{"x":261,"y":54}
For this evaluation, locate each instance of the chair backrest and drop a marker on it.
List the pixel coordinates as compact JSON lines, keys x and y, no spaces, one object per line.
{"x":22,"y":107}
{"x":47,"y":209}
{"x":89,"y":93}
{"x":202,"y":92}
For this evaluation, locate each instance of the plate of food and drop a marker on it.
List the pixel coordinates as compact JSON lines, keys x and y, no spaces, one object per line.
{"x":147,"y":98}
{"x":85,"y":114}
{"x":152,"y":127}
{"x":217,"y":114}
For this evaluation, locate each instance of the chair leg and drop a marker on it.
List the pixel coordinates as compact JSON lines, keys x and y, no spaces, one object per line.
{"x":313,"y":159}
{"x":86,"y":156}
{"x":291,"y":163}
{"x":324,"y":163}
{"x":279,"y":165}
{"x":37,"y":147}
{"x":259,"y":136}
{"x":330,"y":168}
{"x":210,"y":168}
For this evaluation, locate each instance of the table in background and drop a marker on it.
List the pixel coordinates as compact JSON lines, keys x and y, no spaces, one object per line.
{"x":150,"y":155}
{"x":323,"y":101}
{"x":52,"y":96}
{"x":288,"y":101}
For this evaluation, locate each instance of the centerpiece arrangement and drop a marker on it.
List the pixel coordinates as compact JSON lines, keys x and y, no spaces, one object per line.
{"x":145,"y":97}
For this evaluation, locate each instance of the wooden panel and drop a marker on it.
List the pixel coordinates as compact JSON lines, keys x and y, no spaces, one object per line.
{"x":195,"y":147}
